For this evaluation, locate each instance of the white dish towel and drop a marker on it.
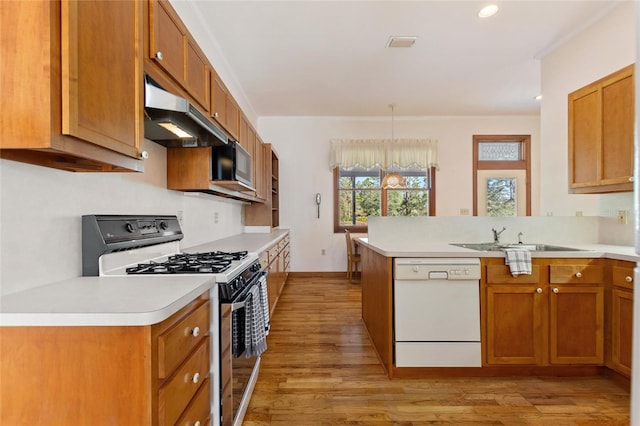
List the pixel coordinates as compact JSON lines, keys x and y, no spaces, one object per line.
{"x":519,"y":261}
{"x":255,"y":338}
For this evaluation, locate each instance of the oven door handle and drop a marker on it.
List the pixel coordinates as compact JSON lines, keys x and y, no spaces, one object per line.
{"x":237,"y":305}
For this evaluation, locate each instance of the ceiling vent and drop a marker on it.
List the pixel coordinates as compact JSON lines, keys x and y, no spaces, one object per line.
{"x":401,"y":41}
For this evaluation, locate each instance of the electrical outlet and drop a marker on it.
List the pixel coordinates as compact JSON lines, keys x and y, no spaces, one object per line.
{"x":464,"y":212}
{"x":578,"y":213}
{"x":323,"y":252}
{"x":622,"y":217}
{"x":215,"y":217}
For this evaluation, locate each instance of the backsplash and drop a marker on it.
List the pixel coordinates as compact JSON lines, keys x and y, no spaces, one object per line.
{"x":535,"y":229}
{"x":41,"y":210}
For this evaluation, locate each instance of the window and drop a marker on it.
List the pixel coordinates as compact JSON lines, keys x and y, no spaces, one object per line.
{"x":502,"y":175}
{"x":359,"y":193}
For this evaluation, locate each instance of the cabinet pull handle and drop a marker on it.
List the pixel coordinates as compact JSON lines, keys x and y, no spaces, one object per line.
{"x":555,"y":290}
{"x":195,"y":332}
{"x":159,"y":56}
{"x":539,"y":290}
{"x":196,"y":378}
{"x":628,"y":279}
{"x":579,"y":274}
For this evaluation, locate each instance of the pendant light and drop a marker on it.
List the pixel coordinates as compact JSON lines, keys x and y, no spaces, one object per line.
{"x":393,"y":180}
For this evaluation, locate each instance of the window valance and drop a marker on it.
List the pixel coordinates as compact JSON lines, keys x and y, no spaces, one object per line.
{"x":384,"y":153}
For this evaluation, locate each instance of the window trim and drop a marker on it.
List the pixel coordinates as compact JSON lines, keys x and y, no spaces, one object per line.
{"x":337,"y":228}
{"x":524,"y":164}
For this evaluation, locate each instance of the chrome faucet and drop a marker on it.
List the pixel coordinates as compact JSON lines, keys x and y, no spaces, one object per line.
{"x":496,"y":234}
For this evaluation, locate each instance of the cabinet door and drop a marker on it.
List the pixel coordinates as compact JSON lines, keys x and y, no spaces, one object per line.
{"x":576,"y":324}
{"x":219,"y":100}
{"x":197,"y":75}
{"x":617,"y":129}
{"x":515,"y":332}
{"x":621,"y":330}
{"x":584,"y":137}
{"x":102,"y":73}
{"x":166,"y":40}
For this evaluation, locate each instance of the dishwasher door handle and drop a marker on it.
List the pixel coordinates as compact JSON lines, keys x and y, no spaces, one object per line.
{"x":438,"y":275}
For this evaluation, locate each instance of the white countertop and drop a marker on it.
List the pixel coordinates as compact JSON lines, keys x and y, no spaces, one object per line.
{"x":251,"y":242}
{"x":429,"y":249}
{"x":115,"y":301}
{"x":120,"y":300}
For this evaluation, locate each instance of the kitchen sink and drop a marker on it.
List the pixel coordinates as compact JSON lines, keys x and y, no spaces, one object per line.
{"x":498,"y":247}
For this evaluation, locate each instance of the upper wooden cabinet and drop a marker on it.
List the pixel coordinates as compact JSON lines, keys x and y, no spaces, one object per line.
{"x":601,"y":117}
{"x":72,"y":81}
{"x":267,"y":213}
{"x":224,"y":108}
{"x":172,"y":48}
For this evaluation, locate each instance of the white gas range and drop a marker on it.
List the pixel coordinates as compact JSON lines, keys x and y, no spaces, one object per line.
{"x":143,"y":245}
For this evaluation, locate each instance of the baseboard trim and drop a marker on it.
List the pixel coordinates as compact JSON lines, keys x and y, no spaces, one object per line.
{"x":318,"y":275}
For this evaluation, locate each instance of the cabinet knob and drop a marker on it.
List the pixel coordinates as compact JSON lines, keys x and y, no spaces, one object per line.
{"x":159,"y":56}
{"x":539,"y":290}
{"x":415,"y":268}
{"x":195,"y":332}
{"x":628,"y":279}
{"x":197,"y":423}
{"x":216,"y":115}
{"x":196,"y":378}
{"x":631,"y":179}
{"x":579,"y":274}
{"x":555,"y":290}
{"x":144,"y":155}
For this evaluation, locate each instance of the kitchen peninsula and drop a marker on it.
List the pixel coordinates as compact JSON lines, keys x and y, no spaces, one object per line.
{"x":562,"y":319}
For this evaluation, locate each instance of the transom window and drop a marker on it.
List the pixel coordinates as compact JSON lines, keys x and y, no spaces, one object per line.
{"x":502,"y":175}
{"x":360,"y":193}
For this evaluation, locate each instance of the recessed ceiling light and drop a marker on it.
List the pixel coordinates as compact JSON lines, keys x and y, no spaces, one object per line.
{"x":488,"y":11}
{"x":401,"y":41}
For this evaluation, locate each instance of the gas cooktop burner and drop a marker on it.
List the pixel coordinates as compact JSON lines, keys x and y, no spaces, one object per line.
{"x":190,"y":263}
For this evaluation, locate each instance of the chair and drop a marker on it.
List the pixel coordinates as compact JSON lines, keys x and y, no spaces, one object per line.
{"x":353,"y":259}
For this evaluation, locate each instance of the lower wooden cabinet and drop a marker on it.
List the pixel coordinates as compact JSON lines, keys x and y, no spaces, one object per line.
{"x":122,"y":375}
{"x":553,"y":317}
{"x":278,"y":270}
{"x":621,"y":318}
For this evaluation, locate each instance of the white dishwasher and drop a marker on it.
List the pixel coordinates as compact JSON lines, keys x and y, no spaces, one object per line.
{"x":437,"y":312}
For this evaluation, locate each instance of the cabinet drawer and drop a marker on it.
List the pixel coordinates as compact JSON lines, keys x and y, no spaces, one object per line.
{"x":576,"y":274}
{"x":199,"y":409}
{"x":264,"y":260}
{"x":623,"y":277}
{"x":273,"y":252}
{"x":501,"y":274}
{"x":175,"y":395}
{"x":176,"y":343}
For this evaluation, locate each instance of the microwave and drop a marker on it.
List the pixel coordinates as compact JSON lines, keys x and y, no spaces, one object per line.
{"x":231,"y":162}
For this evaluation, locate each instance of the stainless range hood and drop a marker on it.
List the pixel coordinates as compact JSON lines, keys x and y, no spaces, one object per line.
{"x":173,"y":122}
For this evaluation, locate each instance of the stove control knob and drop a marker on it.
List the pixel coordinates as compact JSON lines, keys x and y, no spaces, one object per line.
{"x":164,"y":225}
{"x":130,"y":227}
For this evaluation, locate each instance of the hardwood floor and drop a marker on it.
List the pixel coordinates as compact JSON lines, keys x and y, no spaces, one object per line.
{"x":320,"y":369}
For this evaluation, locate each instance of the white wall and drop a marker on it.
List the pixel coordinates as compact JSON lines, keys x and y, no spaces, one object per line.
{"x":41,"y":209}
{"x":603,"y":48}
{"x":303,"y":147}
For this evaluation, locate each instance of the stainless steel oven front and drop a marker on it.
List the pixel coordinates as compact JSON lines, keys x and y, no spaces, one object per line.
{"x":238,"y":372}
